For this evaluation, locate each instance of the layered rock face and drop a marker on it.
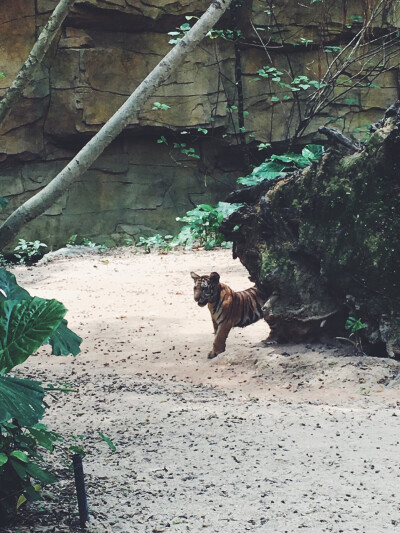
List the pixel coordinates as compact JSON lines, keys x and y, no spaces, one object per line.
{"x":147,"y":177}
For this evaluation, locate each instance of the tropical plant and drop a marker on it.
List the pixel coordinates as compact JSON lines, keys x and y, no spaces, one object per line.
{"x":77,"y":240}
{"x":25,"y":324}
{"x":354,"y":326}
{"x":276,"y":166}
{"x":202,"y":228}
{"x":202,"y":225}
{"x":29,"y":251}
{"x":158,"y":242}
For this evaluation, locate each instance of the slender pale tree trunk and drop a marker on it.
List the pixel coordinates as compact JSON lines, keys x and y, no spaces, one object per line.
{"x":38,"y":204}
{"x":37,"y":54}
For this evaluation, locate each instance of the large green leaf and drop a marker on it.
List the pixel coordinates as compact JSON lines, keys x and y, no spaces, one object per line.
{"x":64,"y":341}
{"x":21,"y":399}
{"x":24,"y":326}
{"x":38,"y":473}
{"x":10,"y":287}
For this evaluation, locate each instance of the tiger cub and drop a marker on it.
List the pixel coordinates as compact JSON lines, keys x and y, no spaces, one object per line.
{"x":228,"y":308}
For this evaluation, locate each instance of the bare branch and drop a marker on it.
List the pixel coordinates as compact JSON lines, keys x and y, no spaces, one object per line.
{"x":336,"y":136}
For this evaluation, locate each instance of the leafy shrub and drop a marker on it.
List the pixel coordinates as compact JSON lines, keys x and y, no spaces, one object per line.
{"x":277,"y":165}
{"x":203,"y":224}
{"x":77,"y":240}
{"x":25,"y":324}
{"x":354,"y":326}
{"x":157,"y":242}
{"x":202,"y":228}
{"x":29,"y":251}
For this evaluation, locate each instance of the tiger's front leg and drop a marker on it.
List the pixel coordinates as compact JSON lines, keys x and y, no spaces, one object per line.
{"x":221,"y":335}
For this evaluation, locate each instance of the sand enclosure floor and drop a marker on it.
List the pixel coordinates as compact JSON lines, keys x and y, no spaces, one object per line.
{"x":262,"y":438}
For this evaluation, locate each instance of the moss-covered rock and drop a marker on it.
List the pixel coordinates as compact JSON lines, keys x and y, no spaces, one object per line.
{"x":324,"y":243}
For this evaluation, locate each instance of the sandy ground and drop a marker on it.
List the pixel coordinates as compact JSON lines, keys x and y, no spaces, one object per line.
{"x":262,"y":438}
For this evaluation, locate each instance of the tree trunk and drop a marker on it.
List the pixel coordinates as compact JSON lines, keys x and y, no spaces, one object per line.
{"x":323,"y":244}
{"x":39,"y":50}
{"x":38,"y":204}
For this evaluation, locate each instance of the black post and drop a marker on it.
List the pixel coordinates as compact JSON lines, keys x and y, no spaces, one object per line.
{"x":80,"y":489}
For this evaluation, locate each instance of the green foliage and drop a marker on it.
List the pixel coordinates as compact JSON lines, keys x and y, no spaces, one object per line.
{"x":332,"y":49}
{"x":277,"y":165}
{"x":299,"y":83}
{"x":107,"y":440}
{"x":21,"y":464}
{"x":62,"y":340}
{"x":190,"y":152}
{"x":177,"y":36}
{"x":25,"y":324}
{"x":202,"y":225}
{"x":29,"y":251}
{"x":160,"y":106}
{"x":263,"y":146}
{"x":354,"y":325}
{"x":76,"y":240}
{"x":182,"y":147}
{"x":202,"y":228}
{"x":162,"y":140}
{"x":158,"y":242}
{"x":228,"y":35}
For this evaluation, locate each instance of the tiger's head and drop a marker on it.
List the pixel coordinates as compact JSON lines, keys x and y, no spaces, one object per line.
{"x":205,"y":288}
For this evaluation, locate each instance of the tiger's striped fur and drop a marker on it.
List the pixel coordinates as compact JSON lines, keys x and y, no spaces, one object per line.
{"x":228,"y":308}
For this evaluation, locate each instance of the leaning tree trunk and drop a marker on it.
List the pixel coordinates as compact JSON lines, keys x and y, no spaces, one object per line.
{"x":324,"y":243}
{"x":39,"y":50}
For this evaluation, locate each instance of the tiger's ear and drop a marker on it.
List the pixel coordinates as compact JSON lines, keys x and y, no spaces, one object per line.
{"x":214,"y":278}
{"x":194,"y":276}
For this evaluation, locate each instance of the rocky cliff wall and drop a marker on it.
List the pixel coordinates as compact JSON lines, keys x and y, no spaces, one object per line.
{"x":106,"y":48}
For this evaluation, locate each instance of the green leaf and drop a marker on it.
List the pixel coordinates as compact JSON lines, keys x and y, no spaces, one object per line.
{"x":3,"y":459}
{"x":351,"y":101}
{"x":41,"y":475}
{"x":332,"y":49}
{"x":159,"y":105}
{"x":107,"y":440}
{"x":21,"y":399}
{"x":43,"y":436}
{"x":205,"y":207}
{"x":313,"y":152}
{"x":21,"y":456}
{"x":32,"y":493}
{"x":20,"y":468}
{"x":64,"y":341}
{"x":10,"y":287}
{"x":24,"y":326}
{"x":21,"y":500}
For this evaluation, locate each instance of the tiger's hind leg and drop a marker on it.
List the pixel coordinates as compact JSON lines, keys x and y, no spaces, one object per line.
{"x":219,"y":344}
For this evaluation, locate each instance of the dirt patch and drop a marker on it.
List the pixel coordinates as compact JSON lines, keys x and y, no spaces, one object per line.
{"x":263,"y":438}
